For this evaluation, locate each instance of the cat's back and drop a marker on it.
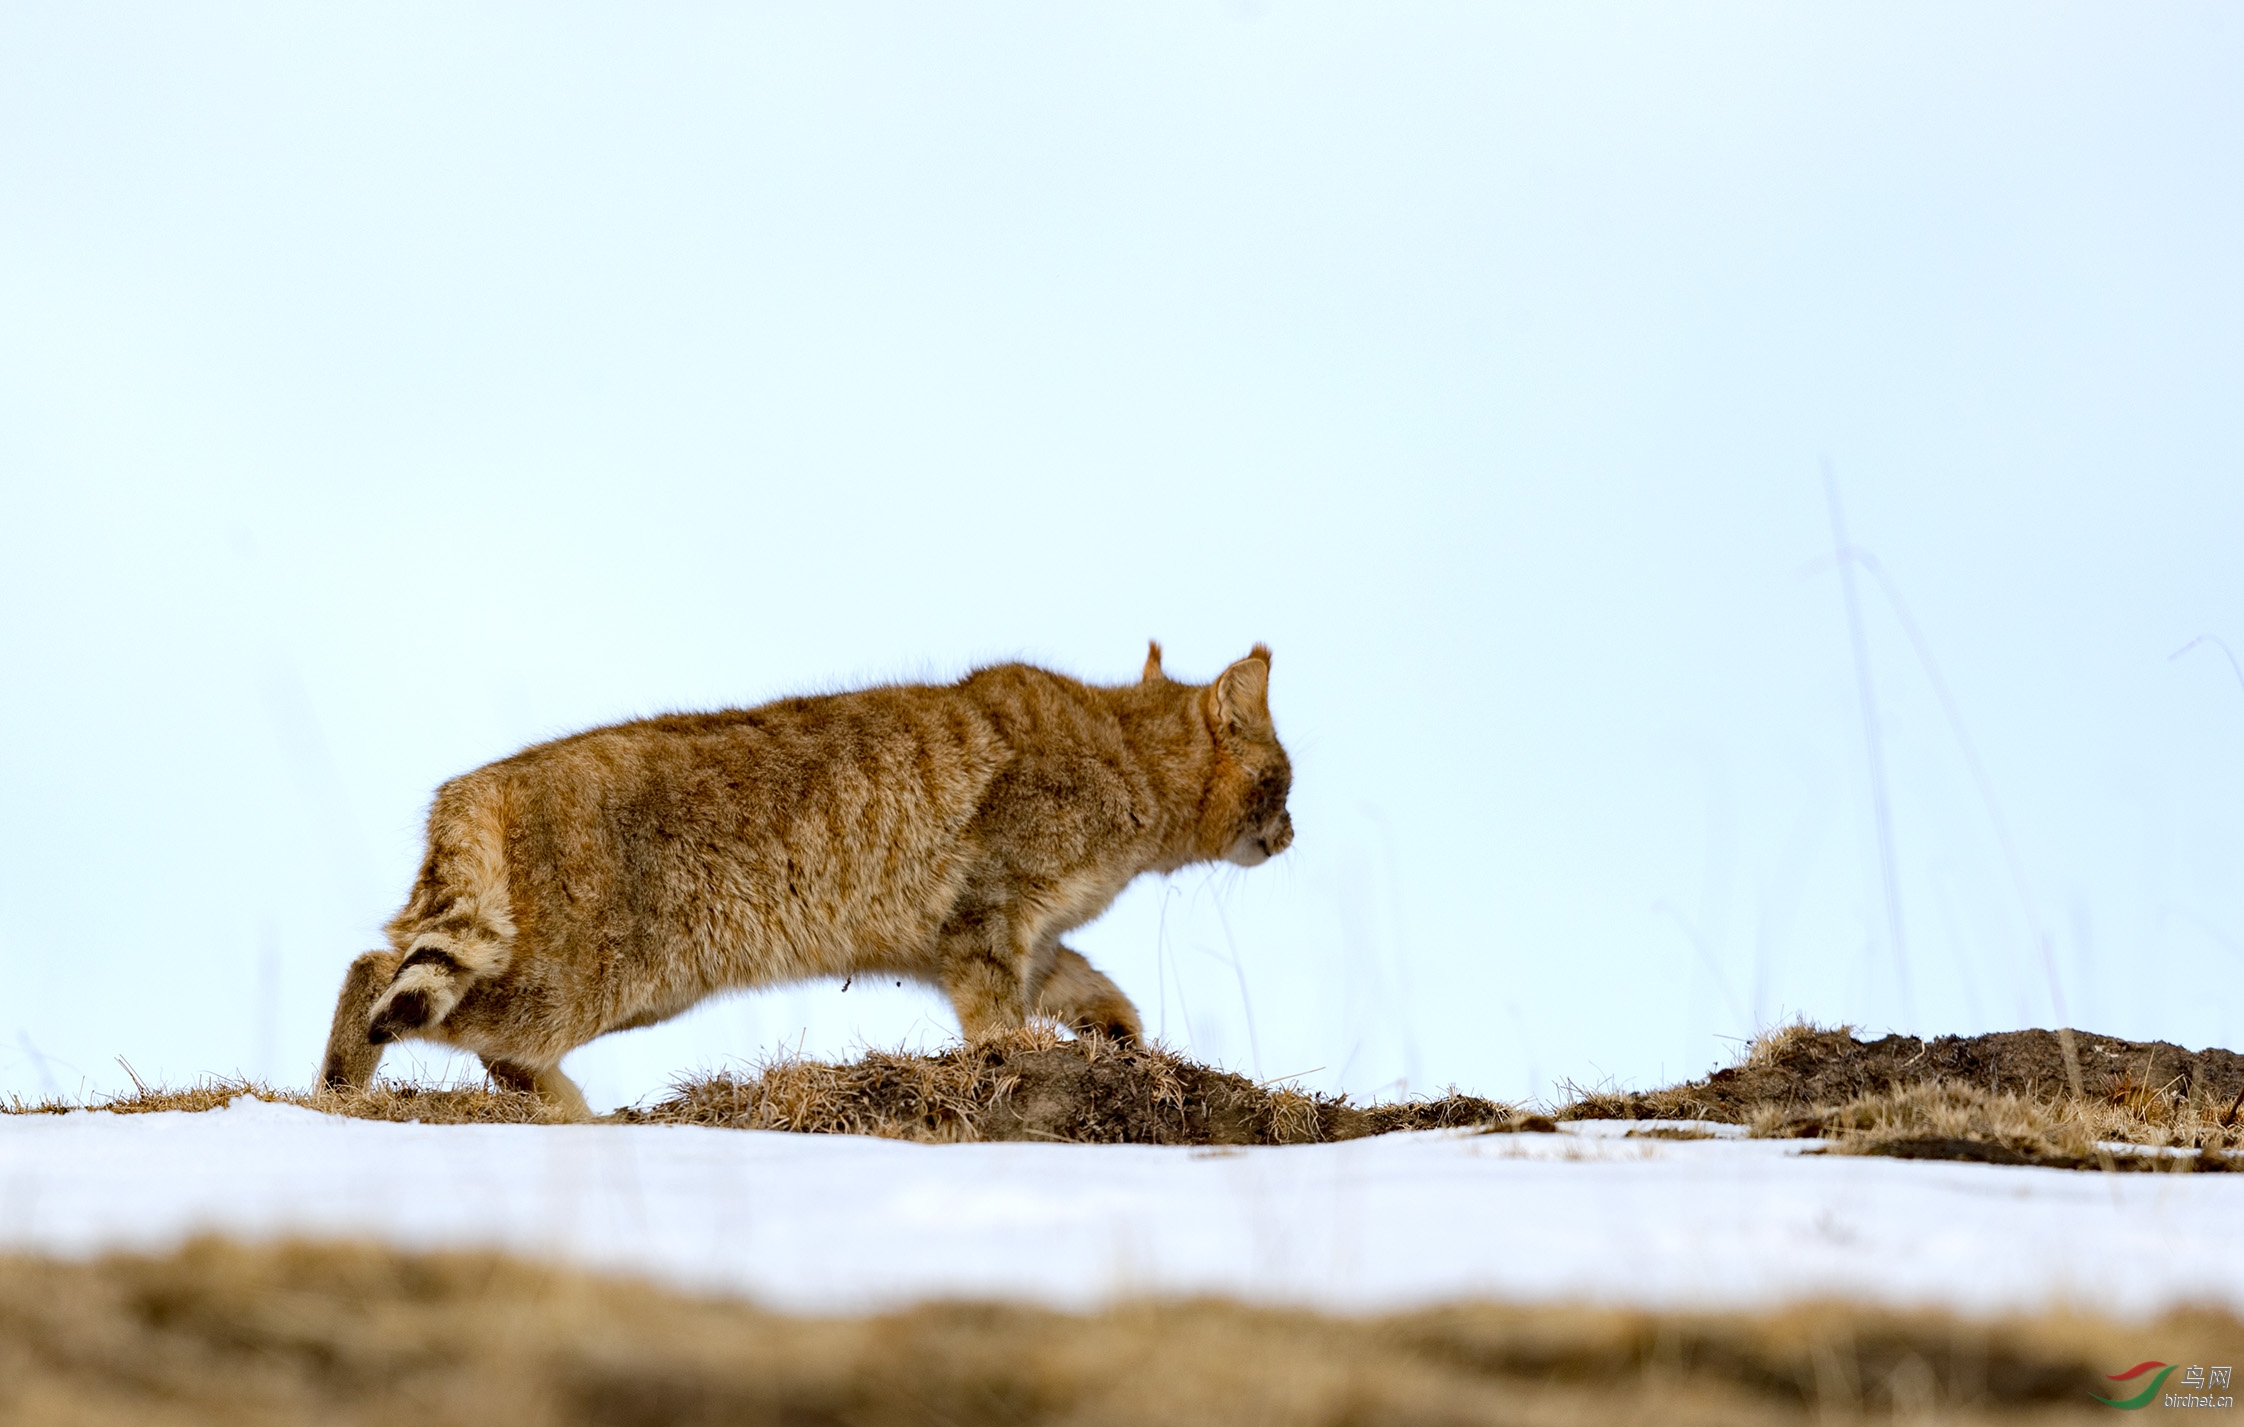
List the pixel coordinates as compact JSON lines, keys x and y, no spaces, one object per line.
{"x":897,"y":763}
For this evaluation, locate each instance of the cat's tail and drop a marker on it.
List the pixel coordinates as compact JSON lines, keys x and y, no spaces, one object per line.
{"x":352,"y":1054}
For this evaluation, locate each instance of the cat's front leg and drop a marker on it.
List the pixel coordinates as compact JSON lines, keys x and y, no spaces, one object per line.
{"x":984,"y":972}
{"x":1081,"y":997}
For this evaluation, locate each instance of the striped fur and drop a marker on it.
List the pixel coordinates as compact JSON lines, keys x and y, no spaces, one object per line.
{"x":952,"y":834}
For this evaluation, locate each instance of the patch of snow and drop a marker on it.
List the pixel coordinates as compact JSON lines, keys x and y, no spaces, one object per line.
{"x":1654,"y":1129}
{"x":2122,"y":1147}
{"x":838,"y":1223}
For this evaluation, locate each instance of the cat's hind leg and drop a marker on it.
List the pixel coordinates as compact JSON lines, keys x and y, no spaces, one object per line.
{"x":351,"y":1056}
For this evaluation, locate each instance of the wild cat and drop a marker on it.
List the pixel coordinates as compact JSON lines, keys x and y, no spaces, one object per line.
{"x":950,"y":834}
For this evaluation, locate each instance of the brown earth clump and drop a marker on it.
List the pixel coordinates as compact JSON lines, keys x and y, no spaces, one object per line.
{"x":1801,"y":1066}
{"x":1036,"y":1085}
{"x":2005,"y":1098}
{"x":220,"y":1333}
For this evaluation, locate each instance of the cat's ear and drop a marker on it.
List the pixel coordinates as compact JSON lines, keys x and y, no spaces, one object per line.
{"x":1239,"y":699}
{"x":1152,"y":674}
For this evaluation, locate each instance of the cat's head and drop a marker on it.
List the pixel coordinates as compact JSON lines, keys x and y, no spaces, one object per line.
{"x":1243,"y":814}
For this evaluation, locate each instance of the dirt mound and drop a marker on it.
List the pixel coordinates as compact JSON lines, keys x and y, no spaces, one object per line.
{"x":1035,"y":1085}
{"x":1800,"y":1068}
{"x":1032,"y":1085}
{"x":298,"y":1333}
{"x":2005,"y":1098}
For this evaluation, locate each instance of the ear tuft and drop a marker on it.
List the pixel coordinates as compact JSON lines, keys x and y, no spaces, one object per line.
{"x":1152,"y":674}
{"x":1239,"y":699}
{"x":1260,"y":651}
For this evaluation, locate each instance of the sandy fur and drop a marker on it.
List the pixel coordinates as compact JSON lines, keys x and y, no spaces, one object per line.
{"x":952,"y":834}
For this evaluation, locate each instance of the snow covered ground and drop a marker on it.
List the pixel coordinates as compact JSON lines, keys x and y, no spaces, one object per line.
{"x":841,"y":1223}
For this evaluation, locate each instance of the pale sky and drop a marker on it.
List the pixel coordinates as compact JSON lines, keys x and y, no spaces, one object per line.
{"x":383,"y":388}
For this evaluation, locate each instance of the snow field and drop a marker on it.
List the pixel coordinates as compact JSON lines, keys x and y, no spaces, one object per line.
{"x":839,"y":1224}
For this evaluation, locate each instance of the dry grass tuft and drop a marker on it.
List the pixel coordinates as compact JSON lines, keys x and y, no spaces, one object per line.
{"x":1779,"y":1043}
{"x":1951,"y":1120}
{"x":383,"y":1100}
{"x":306,"y":1333}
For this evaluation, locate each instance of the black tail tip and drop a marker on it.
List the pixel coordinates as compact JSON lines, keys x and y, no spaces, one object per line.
{"x":408,"y":1012}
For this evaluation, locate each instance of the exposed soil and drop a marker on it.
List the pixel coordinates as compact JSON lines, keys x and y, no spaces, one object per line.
{"x":222,"y":1333}
{"x":1803,"y":1068}
{"x":1970,"y":1150}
